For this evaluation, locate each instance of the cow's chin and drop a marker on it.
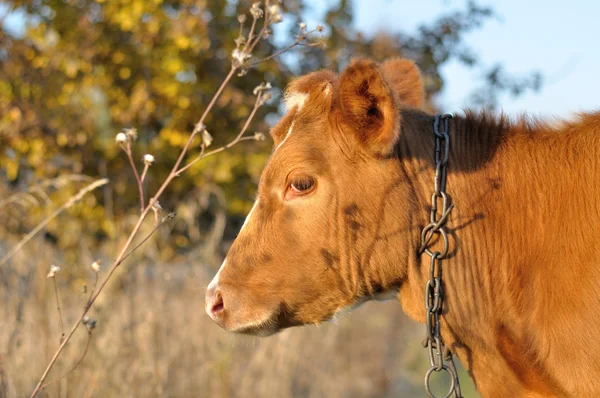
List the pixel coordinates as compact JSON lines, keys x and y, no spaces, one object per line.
{"x":261,"y":323}
{"x":263,"y":330}
{"x":264,"y":324}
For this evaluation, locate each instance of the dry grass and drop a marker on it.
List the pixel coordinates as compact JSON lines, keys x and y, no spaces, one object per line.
{"x":154,"y":340}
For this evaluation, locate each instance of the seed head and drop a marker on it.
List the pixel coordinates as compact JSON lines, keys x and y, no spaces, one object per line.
{"x":53,"y":270}
{"x":320,"y":28}
{"x":262,"y":87}
{"x":256,"y":11}
{"x":275,"y":14}
{"x":267,"y":34}
{"x":274,"y":9}
{"x":241,"y":18}
{"x":240,"y":41}
{"x":239,"y":57}
{"x":258,"y":136}
{"x":156,"y":206}
{"x":265,"y":97}
{"x":131,"y":134}
{"x":148,"y":159}
{"x":169,"y":216}
{"x":206,"y":138}
{"x":90,"y":323}
{"x":121,"y":138}
{"x":96,"y":266}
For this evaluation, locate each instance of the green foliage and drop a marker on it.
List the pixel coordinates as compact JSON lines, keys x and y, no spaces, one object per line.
{"x":84,"y":70}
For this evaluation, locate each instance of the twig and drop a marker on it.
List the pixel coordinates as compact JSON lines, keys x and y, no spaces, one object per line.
{"x":296,"y":43}
{"x":87,"y":346}
{"x":74,"y":199}
{"x":225,"y":147}
{"x":250,"y":37}
{"x":132,"y":235}
{"x":90,"y":303}
{"x":146,"y":167}
{"x":62,"y":324}
{"x":299,"y":42}
{"x":175,"y":171}
{"x":93,"y":288}
{"x":262,"y":30}
{"x":237,"y":139}
{"x":156,"y":227}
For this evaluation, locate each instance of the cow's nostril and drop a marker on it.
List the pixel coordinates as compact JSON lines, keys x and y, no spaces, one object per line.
{"x":214,"y":303}
{"x":217,"y":304}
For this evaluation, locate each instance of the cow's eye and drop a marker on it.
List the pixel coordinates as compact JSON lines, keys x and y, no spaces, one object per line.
{"x":300,"y":185}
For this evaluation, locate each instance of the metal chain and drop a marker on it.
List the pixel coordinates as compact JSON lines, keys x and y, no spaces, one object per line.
{"x":440,"y":357}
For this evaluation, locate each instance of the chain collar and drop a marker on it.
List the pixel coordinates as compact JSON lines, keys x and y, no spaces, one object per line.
{"x":440,"y":356}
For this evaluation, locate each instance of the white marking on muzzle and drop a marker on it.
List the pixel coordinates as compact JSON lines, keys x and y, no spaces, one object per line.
{"x":249,"y":215}
{"x":215,"y":280}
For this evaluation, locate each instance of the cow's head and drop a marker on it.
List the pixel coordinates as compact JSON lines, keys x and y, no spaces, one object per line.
{"x":322,"y":235}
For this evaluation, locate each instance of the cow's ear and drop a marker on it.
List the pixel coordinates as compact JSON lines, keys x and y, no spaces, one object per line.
{"x":405,"y":79}
{"x":369,"y":106}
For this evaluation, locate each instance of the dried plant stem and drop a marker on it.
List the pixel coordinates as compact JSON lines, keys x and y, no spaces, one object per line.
{"x":176,"y":170}
{"x":297,"y":43}
{"x":87,"y":347}
{"x":89,"y":303}
{"x":225,"y":147}
{"x":237,"y":139}
{"x":146,"y":167}
{"x":250,"y":34}
{"x":72,"y":200}
{"x":156,"y":227}
{"x":132,"y":235}
{"x":62,"y":324}
{"x":93,"y":287}
{"x":249,"y":48}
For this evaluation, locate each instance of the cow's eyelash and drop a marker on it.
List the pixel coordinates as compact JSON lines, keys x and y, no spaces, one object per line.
{"x":302,"y":184}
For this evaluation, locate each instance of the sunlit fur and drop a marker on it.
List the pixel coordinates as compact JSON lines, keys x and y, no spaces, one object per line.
{"x":522,"y":279}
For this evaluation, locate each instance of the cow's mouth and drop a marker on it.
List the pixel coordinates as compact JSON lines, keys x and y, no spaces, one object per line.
{"x":279,"y":319}
{"x":254,"y":320}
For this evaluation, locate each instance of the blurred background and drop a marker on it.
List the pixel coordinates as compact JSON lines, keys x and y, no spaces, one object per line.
{"x":73,"y":73}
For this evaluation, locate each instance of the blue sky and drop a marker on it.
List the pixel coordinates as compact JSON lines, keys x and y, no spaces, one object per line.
{"x":559,"y":38}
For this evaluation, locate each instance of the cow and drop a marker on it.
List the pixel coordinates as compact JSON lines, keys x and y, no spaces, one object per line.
{"x":344,"y":197}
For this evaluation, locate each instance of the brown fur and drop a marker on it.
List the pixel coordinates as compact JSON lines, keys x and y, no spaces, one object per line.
{"x":404,"y":76}
{"x":523,"y":274}
{"x":369,"y":106}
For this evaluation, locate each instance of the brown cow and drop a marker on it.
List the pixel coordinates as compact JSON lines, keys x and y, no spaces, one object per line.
{"x":347,"y":190}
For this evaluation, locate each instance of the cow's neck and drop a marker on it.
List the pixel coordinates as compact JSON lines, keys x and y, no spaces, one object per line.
{"x":476,"y":290}
{"x":471,"y":183}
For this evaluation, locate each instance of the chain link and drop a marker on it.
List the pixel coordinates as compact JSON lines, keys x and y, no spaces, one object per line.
{"x":440,"y":357}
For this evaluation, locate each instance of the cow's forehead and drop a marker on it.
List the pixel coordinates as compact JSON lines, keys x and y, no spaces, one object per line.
{"x":312,"y":82}
{"x":295,"y":99}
